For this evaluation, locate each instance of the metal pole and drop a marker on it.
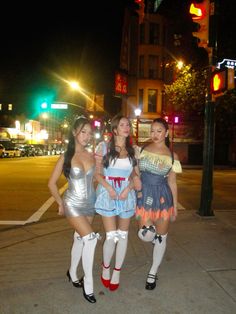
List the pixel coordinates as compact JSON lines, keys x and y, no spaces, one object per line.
{"x":208,"y":160}
{"x":137,"y":124}
{"x":209,"y":132}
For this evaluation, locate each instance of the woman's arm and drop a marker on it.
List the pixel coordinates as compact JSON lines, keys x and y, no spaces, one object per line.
{"x":52,"y":184}
{"x":100,"y":179}
{"x":135,"y":175}
{"x":173,"y":186}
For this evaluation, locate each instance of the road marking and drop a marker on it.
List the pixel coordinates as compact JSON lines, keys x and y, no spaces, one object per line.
{"x":37,"y":215}
{"x":179,"y":206}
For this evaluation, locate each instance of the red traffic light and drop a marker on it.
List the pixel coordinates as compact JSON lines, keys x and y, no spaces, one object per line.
{"x":140,"y":9}
{"x":219,"y":81}
{"x":198,"y":11}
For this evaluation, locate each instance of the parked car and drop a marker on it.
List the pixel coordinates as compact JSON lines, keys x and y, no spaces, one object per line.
{"x":29,"y":150}
{"x":2,"y":151}
{"x":12,"y":152}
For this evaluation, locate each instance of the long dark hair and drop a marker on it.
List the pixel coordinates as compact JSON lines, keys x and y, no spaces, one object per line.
{"x":112,"y":153}
{"x":79,"y":123}
{"x":166,"y":126}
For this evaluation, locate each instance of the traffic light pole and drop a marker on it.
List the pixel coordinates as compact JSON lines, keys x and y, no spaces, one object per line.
{"x":209,"y":129}
{"x":208,"y":157}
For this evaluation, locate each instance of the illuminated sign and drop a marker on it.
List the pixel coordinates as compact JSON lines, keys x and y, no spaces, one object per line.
{"x":121,"y":84}
{"x":227,"y":63}
{"x":59,"y":106}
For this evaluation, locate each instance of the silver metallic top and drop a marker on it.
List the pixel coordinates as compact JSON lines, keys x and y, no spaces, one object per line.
{"x":79,"y":198}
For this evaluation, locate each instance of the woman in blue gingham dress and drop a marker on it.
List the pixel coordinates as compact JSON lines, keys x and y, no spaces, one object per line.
{"x":117,"y":176}
{"x":116,"y":199}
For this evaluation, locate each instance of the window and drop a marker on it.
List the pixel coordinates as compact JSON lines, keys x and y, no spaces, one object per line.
{"x":0,"y":106}
{"x":152,"y":100}
{"x":154,"y":34}
{"x":140,"y":98}
{"x":141,"y":66}
{"x":9,"y":107}
{"x":153,"y":67}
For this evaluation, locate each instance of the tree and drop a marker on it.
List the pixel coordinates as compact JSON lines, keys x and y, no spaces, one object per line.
{"x":187,"y":93}
{"x":226,"y":116}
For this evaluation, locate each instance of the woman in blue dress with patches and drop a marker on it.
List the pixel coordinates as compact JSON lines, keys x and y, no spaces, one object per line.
{"x":157,"y":201}
{"x":116,"y":199}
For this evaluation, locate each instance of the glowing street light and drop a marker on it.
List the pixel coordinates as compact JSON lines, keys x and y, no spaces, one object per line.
{"x":180,"y":64}
{"x":74,"y":85}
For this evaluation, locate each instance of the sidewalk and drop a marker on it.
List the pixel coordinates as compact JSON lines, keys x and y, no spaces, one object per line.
{"x":197,"y":275}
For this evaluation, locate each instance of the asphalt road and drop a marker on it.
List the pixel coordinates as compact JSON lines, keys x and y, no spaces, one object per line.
{"x":25,"y":196}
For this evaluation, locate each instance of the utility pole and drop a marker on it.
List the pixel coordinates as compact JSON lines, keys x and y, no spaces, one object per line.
{"x":205,"y":208}
{"x":204,"y":15}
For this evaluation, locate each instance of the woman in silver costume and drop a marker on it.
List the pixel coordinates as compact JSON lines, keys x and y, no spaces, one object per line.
{"x":77,"y":204}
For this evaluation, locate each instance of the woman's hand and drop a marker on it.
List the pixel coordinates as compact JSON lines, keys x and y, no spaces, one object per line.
{"x":175,"y":214}
{"x":137,"y":183}
{"x":124,"y":194}
{"x":112,"y":193}
{"x":61,"y":210}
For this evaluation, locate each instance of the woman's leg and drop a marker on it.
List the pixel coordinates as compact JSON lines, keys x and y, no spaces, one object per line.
{"x":158,"y":251}
{"x":147,"y":230}
{"x":121,"y":249}
{"x":82,"y":225}
{"x":76,"y":253}
{"x":109,"y":224}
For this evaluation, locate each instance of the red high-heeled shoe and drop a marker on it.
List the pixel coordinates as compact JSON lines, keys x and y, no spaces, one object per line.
{"x":105,"y":282}
{"x":114,"y":286}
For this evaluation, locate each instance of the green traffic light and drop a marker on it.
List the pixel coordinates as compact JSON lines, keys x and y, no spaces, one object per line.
{"x":44,"y":105}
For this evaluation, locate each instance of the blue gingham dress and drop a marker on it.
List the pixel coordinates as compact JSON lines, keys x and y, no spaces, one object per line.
{"x":104,"y":205}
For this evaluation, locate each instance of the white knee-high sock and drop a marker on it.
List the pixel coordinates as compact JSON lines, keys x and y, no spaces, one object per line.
{"x":90,"y":242}
{"x":76,"y":253}
{"x":121,"y":250}
{"x":158,"y":253}
{"x":108,"y":251}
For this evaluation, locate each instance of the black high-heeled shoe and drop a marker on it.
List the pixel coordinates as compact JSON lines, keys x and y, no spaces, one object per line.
{"x":89,"y":297}
{"x":151,"y":285}
{"x":78,"y":283}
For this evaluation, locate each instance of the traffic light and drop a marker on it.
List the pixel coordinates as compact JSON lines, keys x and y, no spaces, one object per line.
{"x":222,"y":80}
{"x":44,"y":105}
{"x":140,"y":9}
{"x":199,"y":10}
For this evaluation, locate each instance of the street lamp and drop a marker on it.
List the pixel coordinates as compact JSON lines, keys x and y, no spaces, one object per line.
{"x":180,"y":64}
{"x":137,"y":113}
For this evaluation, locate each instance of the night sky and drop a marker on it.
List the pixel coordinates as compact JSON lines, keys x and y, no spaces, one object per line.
{"x":66,"y":42}
{"x":40,"y":46}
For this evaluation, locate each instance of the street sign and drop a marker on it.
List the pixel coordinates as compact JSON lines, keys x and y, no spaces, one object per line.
{"x":59,"y":106}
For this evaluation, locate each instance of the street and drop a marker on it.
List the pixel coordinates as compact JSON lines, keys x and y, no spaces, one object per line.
{"x":25,"y":197}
